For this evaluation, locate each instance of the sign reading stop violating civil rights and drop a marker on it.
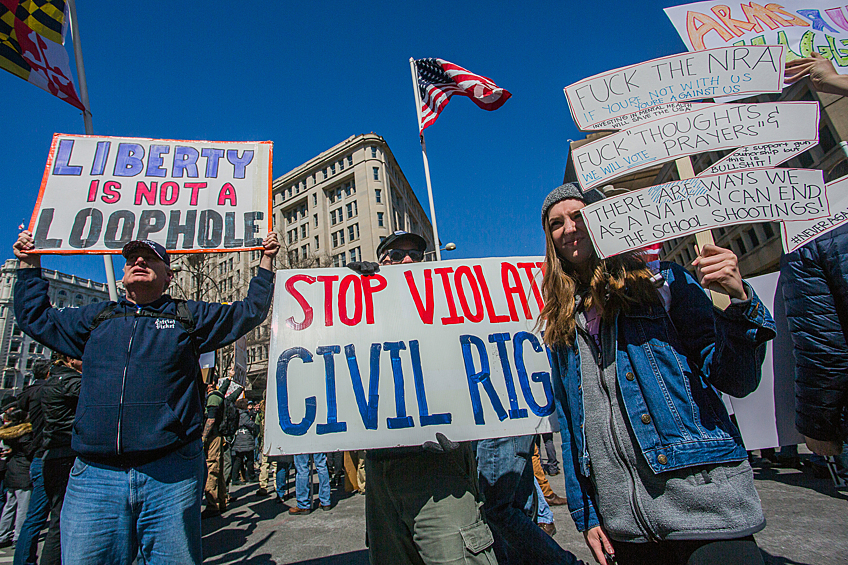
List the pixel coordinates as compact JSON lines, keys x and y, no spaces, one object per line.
{"x":98,"y":193}
{"x":361,"y":362}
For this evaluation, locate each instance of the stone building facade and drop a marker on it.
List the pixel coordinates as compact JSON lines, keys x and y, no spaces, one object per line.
{"x":19,"y":351}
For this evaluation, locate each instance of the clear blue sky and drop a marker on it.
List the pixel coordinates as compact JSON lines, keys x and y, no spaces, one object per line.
{"x":308,"y":76}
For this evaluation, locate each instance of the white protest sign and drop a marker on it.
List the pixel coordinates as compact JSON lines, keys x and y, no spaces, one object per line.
{"x":796,"y":234}
{"x":744,"y":70}
{"x":240,"y":360}
{"x":668,"y":211}
{"x":717,"y":127}
{"x":803,"y":27}
{"x":98,"y":193}
{"x":766,"y":417}
{"x":758,"y":157}
{"x":362,"y":362}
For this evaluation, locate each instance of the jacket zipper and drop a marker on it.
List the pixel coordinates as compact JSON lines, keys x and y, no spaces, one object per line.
{"x":637,"y":510}
{"x":124,"y":383}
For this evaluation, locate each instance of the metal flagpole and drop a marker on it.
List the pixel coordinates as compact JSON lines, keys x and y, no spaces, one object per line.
{"x":424,"y":155}
{"x":89,"y":129}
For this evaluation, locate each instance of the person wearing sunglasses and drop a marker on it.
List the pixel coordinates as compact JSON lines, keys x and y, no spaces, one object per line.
{"x":422,"y":504}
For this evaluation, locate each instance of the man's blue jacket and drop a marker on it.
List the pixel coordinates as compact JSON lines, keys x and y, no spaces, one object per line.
{"x":140,"y":396}
{"x":815,"y":286}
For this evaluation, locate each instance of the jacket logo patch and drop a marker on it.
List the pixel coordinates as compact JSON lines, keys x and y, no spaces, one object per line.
{"x":165,"y":324}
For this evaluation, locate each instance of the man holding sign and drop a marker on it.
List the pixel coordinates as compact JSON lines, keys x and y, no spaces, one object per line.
{"x":137,"y":482}
{"x":423,"y":503}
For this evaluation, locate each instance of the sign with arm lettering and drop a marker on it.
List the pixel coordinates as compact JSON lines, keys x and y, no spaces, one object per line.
{"x":98,"y":193}
{"x":362,"y":362}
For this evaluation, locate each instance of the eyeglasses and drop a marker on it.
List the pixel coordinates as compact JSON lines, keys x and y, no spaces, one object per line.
{"x":397,"y":255}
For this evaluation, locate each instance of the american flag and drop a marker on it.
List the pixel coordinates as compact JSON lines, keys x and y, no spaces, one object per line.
{"x":438,"y":80}
{"x":651,"y":255}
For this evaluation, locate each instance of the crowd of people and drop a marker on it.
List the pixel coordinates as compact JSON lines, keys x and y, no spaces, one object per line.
{"x":118,"y":443}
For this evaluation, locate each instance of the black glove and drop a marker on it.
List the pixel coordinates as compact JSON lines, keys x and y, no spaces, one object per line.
{"x":444,"y":446}
{"x":364,"y":267}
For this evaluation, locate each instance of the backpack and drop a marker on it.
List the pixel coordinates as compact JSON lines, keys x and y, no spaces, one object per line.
{"x":183,"y":316}
{"x":229,"y":423}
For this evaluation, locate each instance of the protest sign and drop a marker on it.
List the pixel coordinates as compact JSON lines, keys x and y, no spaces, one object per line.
{"x":743,"y":70}
{"x":766,"y":417}
{"x":803,"y":27}
{"x":717,"y":127}
{"x":647,"y":114}
{"x":361,"y":362}
{"x":796,"y":234}
{"x":758,"y":157}
{"x":663,"y":212}
{"x":98,"y":193}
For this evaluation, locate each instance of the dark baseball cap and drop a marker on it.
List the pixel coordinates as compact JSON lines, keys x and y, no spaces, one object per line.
{"x":419,"y":242}
{"x":156,"y":248}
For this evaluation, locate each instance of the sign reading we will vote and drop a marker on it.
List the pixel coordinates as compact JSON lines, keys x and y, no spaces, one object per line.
{"x":361,"y":362}
{"x":667,"y":211}
{"x":796,"y":234}
{"x":716,"y":127}
{"x":98,"y":193}
{"x":607,"y":100}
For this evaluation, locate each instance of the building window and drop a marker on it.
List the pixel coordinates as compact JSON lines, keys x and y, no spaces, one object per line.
{"x":380,"y":219}
{"x":350,"y":160}
{"x":325,"y":173}
{"x":349,"y":188}
{"x":303,"y":231}
{"x":351,"y":209}
{"x":374,"y":152}
{"x":304,"y":250}
{"x":316,"y":242}
{"x":353,"y":232}
{"x":336,"y":216}
{"x":341,"y":164}
{"x":314,"y":198}
{"x":378,"y":194}
{"x":333,"y":169}
{"x":355,"y":254}
{"x":315,"y":220}
{"x":376,"y":173}
{"x":335,"y":238}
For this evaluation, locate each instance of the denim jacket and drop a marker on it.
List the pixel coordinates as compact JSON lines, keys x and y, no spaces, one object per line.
{"x":667,"y":363}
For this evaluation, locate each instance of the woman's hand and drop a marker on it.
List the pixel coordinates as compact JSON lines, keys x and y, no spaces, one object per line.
{"x":22,"y":248}
{"x":599,"y":543}
{"x":717,"y":269}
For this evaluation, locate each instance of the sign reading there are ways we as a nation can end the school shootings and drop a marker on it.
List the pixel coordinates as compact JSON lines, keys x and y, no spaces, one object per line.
{"x":364,"y":362}
{"x":98,"y":193}
{"x":658,"y":213}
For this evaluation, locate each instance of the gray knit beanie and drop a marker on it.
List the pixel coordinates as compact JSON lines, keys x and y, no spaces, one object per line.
{"x":570,"y":190}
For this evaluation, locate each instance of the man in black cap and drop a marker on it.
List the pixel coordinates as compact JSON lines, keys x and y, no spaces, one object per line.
{"x":137,"y":482}
{"x":422,"y":504}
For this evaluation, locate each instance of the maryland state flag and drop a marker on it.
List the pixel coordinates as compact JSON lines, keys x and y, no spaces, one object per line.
{"x":31,"y":46}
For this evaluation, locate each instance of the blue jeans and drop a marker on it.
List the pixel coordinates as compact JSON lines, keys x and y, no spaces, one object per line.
{"x":543,"y":513}
{"x":506,"y":480}
{"x":25,"y":549}
{"x":303,"y":483}
{"x":111,"y":514}
{"x":280,"y":478}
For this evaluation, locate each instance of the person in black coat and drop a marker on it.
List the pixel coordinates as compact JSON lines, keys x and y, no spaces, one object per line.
{"x":815,"y":288}
{"x":243,"y":444}
{"x":16,"y":434}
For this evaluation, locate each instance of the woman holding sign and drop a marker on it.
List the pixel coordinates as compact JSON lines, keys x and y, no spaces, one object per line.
{"x":655,"y":471}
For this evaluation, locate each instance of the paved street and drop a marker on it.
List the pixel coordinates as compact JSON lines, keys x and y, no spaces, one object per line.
{"x":807,"y":524}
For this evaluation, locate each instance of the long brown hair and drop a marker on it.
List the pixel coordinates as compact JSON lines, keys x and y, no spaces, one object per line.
{"x":617,"y":284}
